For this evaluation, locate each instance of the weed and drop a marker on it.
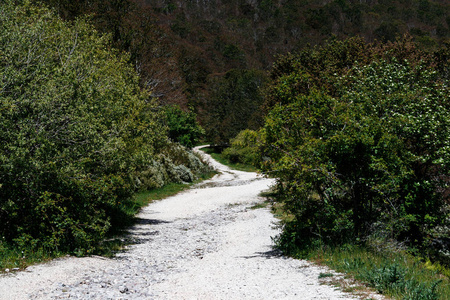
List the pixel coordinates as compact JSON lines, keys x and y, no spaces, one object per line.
{"x":324,"y":275}
{"x":268,"y":194}
{"x":396,"y":274}
{"x":260,"y":205}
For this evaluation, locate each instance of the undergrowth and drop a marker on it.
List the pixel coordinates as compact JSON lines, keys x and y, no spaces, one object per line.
{"x":396,"y":274}
{"x":389,"y":270}
{"x":14,"y":259}
{"x":221,"y":159}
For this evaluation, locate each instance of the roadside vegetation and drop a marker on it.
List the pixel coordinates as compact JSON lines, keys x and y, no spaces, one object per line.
{"x":386,"y":267}
{"x":13,"y":258}
{"x":79,"y":137}
{"x":357,"y":136}
{"x":218,"y":155}
{"x":391,"y":272}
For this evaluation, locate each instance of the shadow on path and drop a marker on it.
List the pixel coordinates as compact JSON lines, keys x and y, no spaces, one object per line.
{"x":141,"y":221}
{"x":274,"y":253}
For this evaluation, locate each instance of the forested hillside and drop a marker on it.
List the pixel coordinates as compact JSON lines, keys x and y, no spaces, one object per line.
{"x":184,"y":50}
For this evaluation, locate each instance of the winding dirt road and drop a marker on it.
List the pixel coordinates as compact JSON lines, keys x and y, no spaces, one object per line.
{"x":205,"y":243}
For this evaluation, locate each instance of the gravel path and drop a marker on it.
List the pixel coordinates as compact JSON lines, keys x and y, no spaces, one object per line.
{"x":206,"y":243}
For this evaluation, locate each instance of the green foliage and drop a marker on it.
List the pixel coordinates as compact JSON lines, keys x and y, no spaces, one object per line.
{"x":234,"y":105}
{"x":183,"y":126}
{"x":360,"y":152}
{"x":218,"y":155}
{"x":314,"y":67}
{"x":173,"y":164}
{"x":244,"y":148}
{"x":74,"y":126}
{"x":395,"y":274}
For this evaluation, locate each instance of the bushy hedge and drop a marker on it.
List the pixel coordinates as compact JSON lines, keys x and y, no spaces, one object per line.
{"x":174,"y":163}
{"x":75,"y":130}
{"x":363,"y":149}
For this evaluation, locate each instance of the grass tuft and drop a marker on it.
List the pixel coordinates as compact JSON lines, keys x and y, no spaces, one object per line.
{"x":325,"y":275}
{"x":13,"y":259}
{"x":398,"y":275}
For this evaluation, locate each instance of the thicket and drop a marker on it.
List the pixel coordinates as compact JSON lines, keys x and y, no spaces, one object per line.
{"x":183,"y":126}
{"x":78,"y":134}
{"x":358,"y":135}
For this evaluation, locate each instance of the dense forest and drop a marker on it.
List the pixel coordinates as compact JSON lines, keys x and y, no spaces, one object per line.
{"x":191,"y":52}
{"x":345,"y":102}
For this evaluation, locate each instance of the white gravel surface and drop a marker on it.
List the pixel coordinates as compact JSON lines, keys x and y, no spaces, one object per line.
{"x":206,"y":243}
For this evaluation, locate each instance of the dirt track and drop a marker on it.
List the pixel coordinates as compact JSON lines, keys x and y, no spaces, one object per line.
{"x":205,"y":243}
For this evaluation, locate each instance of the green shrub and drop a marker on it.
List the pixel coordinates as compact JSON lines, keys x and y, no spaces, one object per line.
{"x":369,"y":146}
{"x":74,"y":126}
{"x":244,"y":148}
{"x":173,"y":164}
{"x":183,"y":126}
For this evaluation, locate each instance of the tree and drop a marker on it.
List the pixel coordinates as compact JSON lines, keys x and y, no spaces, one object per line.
{"x":244,"y":148}
{"x":234,"y":105}
{"x":366,"y":153}
{"x":183,"y":126}
{"x":74,"y":127}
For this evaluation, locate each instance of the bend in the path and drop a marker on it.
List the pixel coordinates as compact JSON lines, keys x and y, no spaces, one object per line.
{"x":205,"y":243}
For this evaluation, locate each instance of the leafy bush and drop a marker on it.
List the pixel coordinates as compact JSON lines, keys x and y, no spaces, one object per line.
{"x":74,"y":126}
{"x":244,"y":148}
{"x":366,"y":145}
{"x":183,"y":126}
{"x":173,"y":164}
